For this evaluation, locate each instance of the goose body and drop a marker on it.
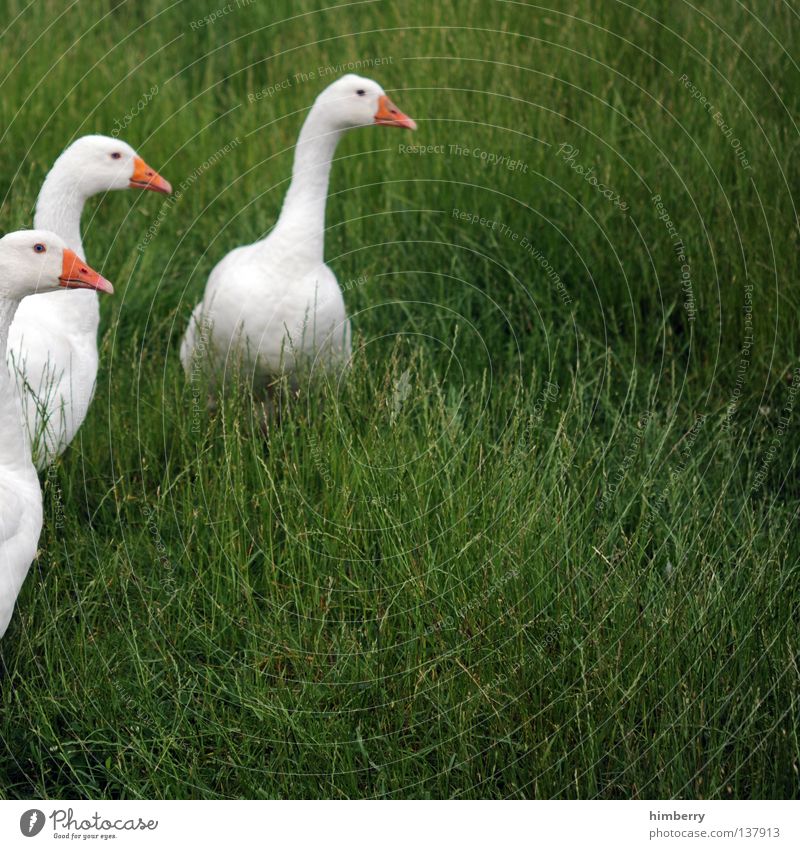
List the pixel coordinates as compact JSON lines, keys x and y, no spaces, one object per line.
{"x":52,"y":346}
{"x":274,"y":305}
{"x":31,"y":262}
{"x":20,"y":500}
{"x":269,"y":312}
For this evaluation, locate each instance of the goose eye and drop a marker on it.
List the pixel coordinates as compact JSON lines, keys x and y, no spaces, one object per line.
{"x":116,"y":155}
{"x":39,"y":248}
{"x":361,"y":92}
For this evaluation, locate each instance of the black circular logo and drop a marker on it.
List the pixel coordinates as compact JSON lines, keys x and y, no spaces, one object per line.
{"x":31,"y":822}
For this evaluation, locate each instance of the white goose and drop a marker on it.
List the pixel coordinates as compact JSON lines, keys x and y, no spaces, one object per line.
{"x":270,"y":305}
{"x":31,"y":262}
{"x":53,"y":344}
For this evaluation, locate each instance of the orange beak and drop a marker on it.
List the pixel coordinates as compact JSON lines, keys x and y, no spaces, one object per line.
{"x":388,"y":115}
{"x":144,"y":177}
{"x":76,"y":274}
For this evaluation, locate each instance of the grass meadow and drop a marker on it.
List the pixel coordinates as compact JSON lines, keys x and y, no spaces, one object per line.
{"x":542,"y":541}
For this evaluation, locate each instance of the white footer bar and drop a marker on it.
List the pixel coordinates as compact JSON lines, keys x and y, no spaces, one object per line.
{"x":388,"y":824}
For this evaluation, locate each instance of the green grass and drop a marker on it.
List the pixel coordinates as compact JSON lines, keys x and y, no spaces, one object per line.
{"x":527,"y":548}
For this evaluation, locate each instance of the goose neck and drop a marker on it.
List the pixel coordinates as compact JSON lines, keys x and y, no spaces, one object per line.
{"x":59,"y":208}
{"x":303,"y":213}
{"x":14,"y":453}
{"x":60,"y":205}
{"x":8,"y":308}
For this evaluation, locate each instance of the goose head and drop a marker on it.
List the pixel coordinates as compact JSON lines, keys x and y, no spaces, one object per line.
{"x":35,"y":261}
{"x":354,"y":101}
{"x":100,"y":164}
